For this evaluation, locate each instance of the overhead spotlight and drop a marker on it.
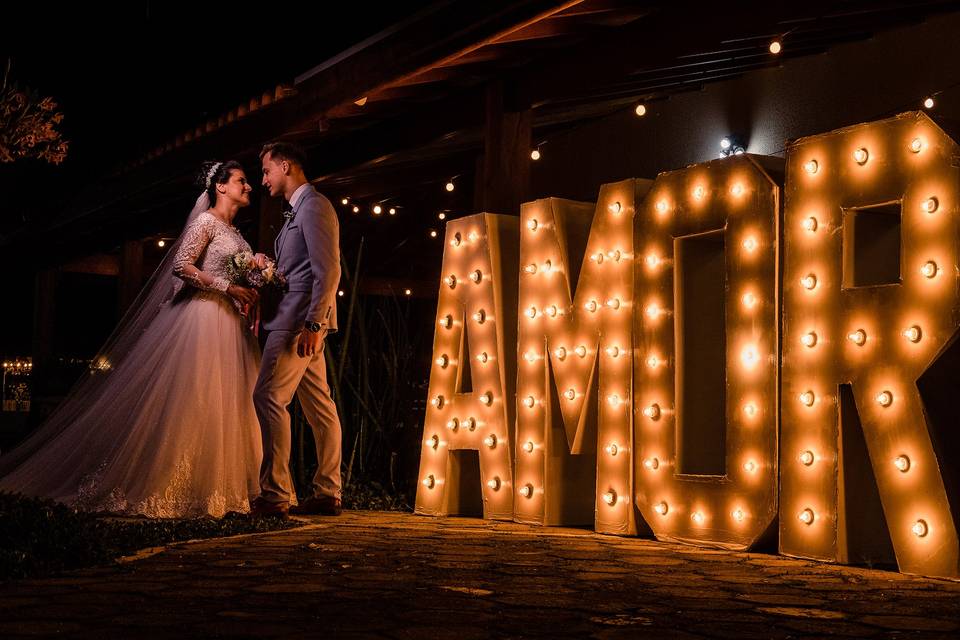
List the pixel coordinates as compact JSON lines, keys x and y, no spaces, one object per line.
{"x":776,"y":47}
{"x":730,"y":146}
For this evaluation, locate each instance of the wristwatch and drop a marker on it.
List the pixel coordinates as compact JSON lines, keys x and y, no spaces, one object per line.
{"x":312,"y":326}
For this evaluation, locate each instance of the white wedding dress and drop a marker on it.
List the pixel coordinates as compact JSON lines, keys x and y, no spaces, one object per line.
{"x":165,"y":425}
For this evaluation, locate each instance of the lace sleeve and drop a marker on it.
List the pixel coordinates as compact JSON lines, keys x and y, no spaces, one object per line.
{"x":195,"y":240}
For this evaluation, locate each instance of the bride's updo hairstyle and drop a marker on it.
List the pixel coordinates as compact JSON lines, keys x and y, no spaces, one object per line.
{"x":213,"y":173}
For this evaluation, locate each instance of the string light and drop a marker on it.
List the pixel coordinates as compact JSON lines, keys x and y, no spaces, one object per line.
{"x":775,"y":47}
{"x":581,"y":351}
{"x":161,"y":244}
{"x":750,"y":244}
{"x":450,"y":281}
{"x":614,"y":400}
{"x":450,"y":186}
{"x":611,"y":449}
{"x":916,"y":145}
{"x":480,"y":316}
{"x":737,"y":515}
{"x":651,"y":464}
{"x":535,"y":154}
{"x":652,"y":411}
{"x":610,"y":497}
{"x":483,"y":358}
{"x":902,"y":463}
{"x":443,"y":361}
{"x":356,"y":209}
{"x":806,"y":458}
{"x":560,"y":353}
{"x":470,"y":424}
{"x":438,"y":402}
{"x":698,"y":517}
{"x":345,"y":201}
{"x":749,"y":466}
{"x":919,"y":528}
{"x":392,"y":211}
{"x":858,"y":337}
{"x":750,"y":409}
{"x":809,"y":339}
{"x":811,"y":166}
{"x":526,"y":490}
{"x":913,"y":334}
{"x":494,"y":483}
{"x":662,"y":206}
{"x":613,"y":303}
{"x":490,"y":441}
{"x":615,"y":207}
{"x":931,"y":204}
{"x":884,"y":398}
{"x":569,"y":394}
{"x":530,"y":268}
{"x":529,"y":402}
{"x":442,"y":216}
{"x":861,"y":156}
{"x":433,"y":442}
{"x":377,"y":209}
{"x":929,"y":269}
{"x":661,"y":508}
{"x":807,"y":398}
{"x":591,"y":306}
{"x":528,"y":446}
{"x":810,"y":224}
{"x":487,"y":398}
{"x":532,"y":224}
{"x":928,"y":103}
{"x":640,"y":110}
{"x":446,"y":321}
{"x":430,"y":482}
{"x":809,"y":281}
{"x":806,"y":516}
{"x":453,"y":424}
{"x":530,"y":356}
{"x":433,"y":233}
{"x":613,"y":351}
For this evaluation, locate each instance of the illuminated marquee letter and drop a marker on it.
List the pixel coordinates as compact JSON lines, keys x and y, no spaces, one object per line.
{"x":706,"y":352}
{"x":474,"y":341}
{"x":562,"y":478}
{"x":871,"y":271}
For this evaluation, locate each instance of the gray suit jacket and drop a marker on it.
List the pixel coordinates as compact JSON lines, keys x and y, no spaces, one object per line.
{"x":308,"y":254}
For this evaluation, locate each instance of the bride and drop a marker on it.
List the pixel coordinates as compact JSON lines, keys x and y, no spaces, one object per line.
{"x":163,"y":424}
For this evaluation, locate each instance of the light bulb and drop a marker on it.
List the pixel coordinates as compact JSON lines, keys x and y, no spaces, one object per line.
{"x":652,"y":311}
{"x":377,"y":209}
{"x":529,"y":402}
{"x":811,"y":166}
{"x":494,"y":483}
{"x":611,"y":449}
{"x":547,"y":266}
{"x":450,"y":186}
{"x":450,"y":281}
{"x":928,"y":103}
{"x":809,"y":339}
{"x":640,"y":110}
{"x":581,"y":351}
{"x":809,"y":281}
{"x":613,"y":303}
{"x":433,"y":234}
{"x":526,"y":490}
{"x":560,"y":353}
{"x":532,"y":224}
{"x":591,"y":306}
{"x":615,"y":207}
{"x":916,"y":145}
{"x":919,"y":528}
{"x":861,"y":156}
{"x":807,"y":398}
{"x":344,"y":201}
{"x":614,"y":400}
{"x":446,"y":321}
{"x":453,"y":424}
{"x":433,"y":442}
{"x":487,"y":398}
{"x":775,"y":47}
{"x":528,"y":446}
{"x":913,"y":334}
{"x":530,"y":356}
{"x":806,"y":458}
{"x":437,"y":402}
{"x":652,"y":260}
{"x":443,"y":361}
{"x":429,"y":482}
{"x":902,"y":463}
{"x":697,"y":517}
{"x":535,"y":154}
{"x":699,"y":192}
{"x":749,"y":300}
{"x":569,"y":394}
{"x":662,"y":206}
{"x":610,"y":497}
{"x":457,"y":239}
{"x":480,"y":316}
{"x":356,"y":209}
{"x":653,"y":362}
{"x":483,"y":358}
{"x":408,"y":292}
{"x":749,"y":356}
{"x":531,"y":312}
{"x":884,"y":398}
{"x":476,"y":276}
{"x":661,"y":508}
{"x":392,"y":211}
{"x":929,"y":269}
{"x":749,"y":466}
{"x":652,"y":412}
{"x":490,"y":441}
{"x":930,"y":204}
{"x":613,"y":351}
{"x":858,"y":337}
{"x":530,"y":268}
{"x":750,"y":244}
{"x":551,"y":311}
{"x":615,"y":255}
{"x":651,"y":464}
{"x":750,"y":409}
{"x":161,"y":243}
{"x":810,"y":224}
{"x":470,"y":424}
{"x":738,"y":515}
{"x":737,"y":190}
{"x":806,"y":516}
{"x":725,"y":143}
{"x":472,"y":236}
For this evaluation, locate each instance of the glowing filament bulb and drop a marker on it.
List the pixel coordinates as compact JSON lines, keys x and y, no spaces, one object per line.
{"x":547,"y":266}
{"x":377,"y":210}
{"x":749,"y":356}
{"x":902,"y":463}
{"x":344,"y":201}
{"x":809,"y":281}
{"x":749,"y":300}
{"x":810,"y":224}
{"x":443,"y":361}
{"x":610,"y":497}
{"x":806,"y":458}
{"x":450,"y":281}
{"x":884,"y":398}
{"x":653,"y":362}
{"x":662,"y":206}
{"x":807,"y":398}
{"x":652,"y":412}
{"x":614,"y":255}
{"x":453,"y":424}
{"x":661,"y":508}
{"x":697,"y":517}
{"x":560,"y":352}
{"x":480,"y":316}
{"x":569,"y":394}
{"x":470,"y":424}
{"x":750,"y":244}
{"x":861,"y":156}
{"x":551,"y":311}
{"x":614,"y":400}
{"x":530,"y":268}
{"x":916,"y":145}
{"x":531,"y":312}
{"x":749,"y":466}
{"x":920,"y":528}
{"x":930,"y":204}
{"x":652,"y":260}
{"x":929,"y":269}
{"x":699,"y":192}
{"x":530,"y":356}
{"x":651,"y":464}
{"x":809,"y":339}
{"x":653,"y":311}
{"x":476,"y":276}
{"x":434,"y":442}
{"x":581,"y":351}
{"x":913,"y":334}
{"x":737,"y":190}
{"x":858,"y":337}
{"x":591,"y":306}
{"x":750,"y":409}
{"x":597,"y":257}
{"x":738,"y":515}
{"x":430,"y":482}
{"x":928,"y":103}
{"x":457,"y":239}
{"x":483,"y":358}
{"x":487,"y":398}
{"x":528,"y":446}
{"x":613,"y":303}
{"x":611,"y":449}
{"x":473,"y":237}
{"x":811,"y":166}
{"x":494,"y":483}
{"x":806,"y":516}
{"x":613,"y":351}
{"x":529,"y":402}
{"x":615,"y":207}
{"x":532,"y":224}
{"x":491,"y":441}
{"x":437,"y":402}
{"x":526,"y":490}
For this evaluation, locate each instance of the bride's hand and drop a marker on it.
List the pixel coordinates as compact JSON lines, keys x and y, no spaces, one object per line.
{"x":261,"y":260}
{"x":243,"y":295}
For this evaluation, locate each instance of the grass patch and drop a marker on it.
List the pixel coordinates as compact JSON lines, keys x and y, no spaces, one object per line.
{"x":41,"y":537}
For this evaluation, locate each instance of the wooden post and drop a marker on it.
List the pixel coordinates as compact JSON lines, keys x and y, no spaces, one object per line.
{"x":131,"y":274}
{"x":504,"y":172}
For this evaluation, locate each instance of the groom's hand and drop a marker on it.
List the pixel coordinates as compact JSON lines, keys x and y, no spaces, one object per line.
{"x":309,"y":342}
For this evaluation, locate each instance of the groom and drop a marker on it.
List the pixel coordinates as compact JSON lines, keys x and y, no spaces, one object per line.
{"x":308,"y":254}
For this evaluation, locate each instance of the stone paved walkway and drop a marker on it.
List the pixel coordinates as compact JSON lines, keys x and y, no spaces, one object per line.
{"x":398,"y":576}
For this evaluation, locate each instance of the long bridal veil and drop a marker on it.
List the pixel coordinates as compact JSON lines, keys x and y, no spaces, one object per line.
{"x":99,"y":378}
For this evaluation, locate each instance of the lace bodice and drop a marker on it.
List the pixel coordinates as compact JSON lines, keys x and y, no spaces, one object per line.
{"x":208,"y":243}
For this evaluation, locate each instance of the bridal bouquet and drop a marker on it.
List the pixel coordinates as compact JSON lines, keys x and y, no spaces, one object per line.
{"x":242,"y":270}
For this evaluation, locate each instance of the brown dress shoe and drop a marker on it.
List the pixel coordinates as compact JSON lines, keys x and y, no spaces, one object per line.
{"x":263,"y":508}
{"x":318,"y":506}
